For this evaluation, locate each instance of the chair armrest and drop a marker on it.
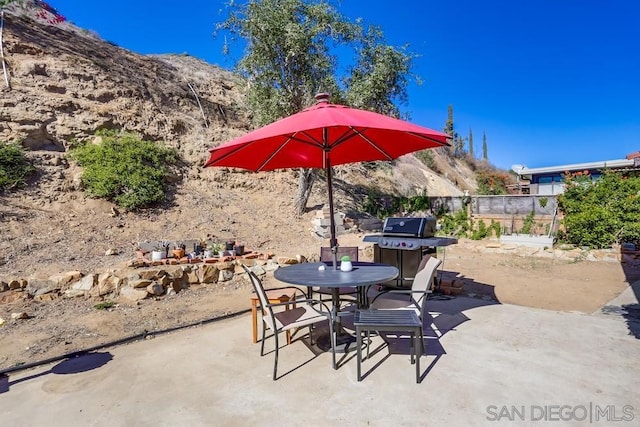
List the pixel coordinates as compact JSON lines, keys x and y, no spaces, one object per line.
{"x":390,"y":291}
{"x":309,"y":301}
{"x":294,"y":301}
{"x":284,"y":288}
{"x":408,"y":292}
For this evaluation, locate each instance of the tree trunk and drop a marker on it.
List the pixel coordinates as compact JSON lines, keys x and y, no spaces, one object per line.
{"x":305,"y":184}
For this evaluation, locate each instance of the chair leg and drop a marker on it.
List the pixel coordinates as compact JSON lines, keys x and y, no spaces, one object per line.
{"x":264,"y":333}
{"x":359,"y":352}
{"x":418,"y":354}
{"x":412,"y":345}
{"x":368,"y":342}
{"x":275,"y":363}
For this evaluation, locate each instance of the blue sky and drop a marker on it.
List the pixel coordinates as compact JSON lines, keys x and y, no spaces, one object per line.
{"x":550,"y":82}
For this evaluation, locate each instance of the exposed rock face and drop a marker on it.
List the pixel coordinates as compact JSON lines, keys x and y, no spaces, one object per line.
{"x":66,"y":83}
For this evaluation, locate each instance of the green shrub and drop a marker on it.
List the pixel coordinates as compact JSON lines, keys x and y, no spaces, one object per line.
{"x":427,"y":159}
{"x":527,"y":224}
{"x":125,"y":169}
{"x":14,"y":166}
{"x":418,"y":203}
{"x":492,"y":182}
{"x":543,"y":202}
{"x":104,"y":305}
{"x":496,"y":228}
{"x":373,"y":205}
{"x":602,"y":212}
{"x":456,"y":224}
{"x":481,"y":231}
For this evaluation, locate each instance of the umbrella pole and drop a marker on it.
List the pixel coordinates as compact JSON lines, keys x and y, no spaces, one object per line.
{"x":333,"y":242}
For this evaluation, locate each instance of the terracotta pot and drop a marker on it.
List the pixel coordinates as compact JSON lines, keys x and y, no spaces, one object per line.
{"x":178,"y":253}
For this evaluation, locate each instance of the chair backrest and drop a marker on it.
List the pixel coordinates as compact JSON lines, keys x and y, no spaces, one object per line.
{"x":327,"y":256}
{"x":257,"y":286}
{"x":424,"y":278}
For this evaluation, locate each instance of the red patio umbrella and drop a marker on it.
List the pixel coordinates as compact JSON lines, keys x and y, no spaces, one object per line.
{"x":323,"y":136}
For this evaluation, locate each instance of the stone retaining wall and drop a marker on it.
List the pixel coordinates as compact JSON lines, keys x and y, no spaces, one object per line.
{"x":140,"y":278}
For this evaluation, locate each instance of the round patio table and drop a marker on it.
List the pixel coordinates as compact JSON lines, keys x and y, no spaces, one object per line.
{"x":362,"y":275}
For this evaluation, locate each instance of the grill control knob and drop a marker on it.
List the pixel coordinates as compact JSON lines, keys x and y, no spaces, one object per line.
{"x":410,"y":245}
{"x":397,"y":245}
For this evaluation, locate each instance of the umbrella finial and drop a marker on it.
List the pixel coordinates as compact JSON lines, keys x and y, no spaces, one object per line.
{"x":322,"y":97}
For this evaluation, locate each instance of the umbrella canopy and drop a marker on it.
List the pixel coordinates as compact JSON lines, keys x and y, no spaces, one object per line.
{"x":322,"y":136}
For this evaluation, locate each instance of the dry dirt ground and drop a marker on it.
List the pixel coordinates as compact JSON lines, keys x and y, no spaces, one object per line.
{"x":55,"y":329}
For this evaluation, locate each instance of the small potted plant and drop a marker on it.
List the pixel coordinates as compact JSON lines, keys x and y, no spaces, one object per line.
{"x":239,"y":248}
{"x":179,"y":249}
{"x":212,"y":250}
{"x":345,"y":264}
{"x":217,"y":249}
{"x":159,"y":251}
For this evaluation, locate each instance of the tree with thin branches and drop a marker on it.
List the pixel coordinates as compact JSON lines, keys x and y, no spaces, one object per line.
{"x":485,"y":154}
{"x":290,"y":56}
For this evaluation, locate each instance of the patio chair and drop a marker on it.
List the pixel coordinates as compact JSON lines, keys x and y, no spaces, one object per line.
{"x":327,"y":256}
{"x":414,"y":298}
{"x":304,"y":314}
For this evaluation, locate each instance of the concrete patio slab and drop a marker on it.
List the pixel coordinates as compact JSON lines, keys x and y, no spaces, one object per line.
{"x":485,"y":363}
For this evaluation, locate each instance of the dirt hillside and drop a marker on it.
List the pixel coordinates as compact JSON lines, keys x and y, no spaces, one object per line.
{"x":66,"y":83}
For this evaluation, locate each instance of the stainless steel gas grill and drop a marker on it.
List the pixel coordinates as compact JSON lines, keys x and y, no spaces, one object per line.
{"x":403,"y":243}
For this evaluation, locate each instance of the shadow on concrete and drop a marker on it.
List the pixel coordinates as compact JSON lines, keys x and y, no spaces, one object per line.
{"x":631,"y":314}
{"x":630,"y":263}
{"x":304,"y":338}
{"x":445,"y":313}
{"x":470,"y":287}
{"x":82,"y":362}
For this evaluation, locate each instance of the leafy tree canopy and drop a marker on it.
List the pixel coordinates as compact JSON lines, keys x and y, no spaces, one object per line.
{"x":292,"y":54}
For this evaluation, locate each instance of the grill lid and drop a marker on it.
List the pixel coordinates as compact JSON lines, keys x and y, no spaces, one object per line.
{"x":409,"y":227}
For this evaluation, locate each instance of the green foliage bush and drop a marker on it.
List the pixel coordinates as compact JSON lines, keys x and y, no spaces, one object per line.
{"x":373,"y":205}
{"x":602,"y":212}
{"x":481,"y":232}
{"x":527,"y":224}
{"x":496,"y":227}
{"x":456,"y":224}
{"x":125,"y":169}
{"x":492,"y":182}
{"x":427,"y":159}
{"x":14,"y":166}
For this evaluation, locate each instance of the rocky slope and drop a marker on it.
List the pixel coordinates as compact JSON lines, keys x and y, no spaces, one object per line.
{"x":65,"y":83}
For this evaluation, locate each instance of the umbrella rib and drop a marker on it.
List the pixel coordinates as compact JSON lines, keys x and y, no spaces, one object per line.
{"x":290,"y":138}
{"x":227,"y":154}
{"x":428,"y":138}
{"x":356,"y":132}
{"x":374,"y":145}
{"x":275,"y":152}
